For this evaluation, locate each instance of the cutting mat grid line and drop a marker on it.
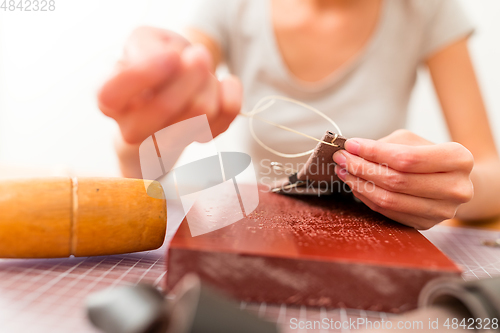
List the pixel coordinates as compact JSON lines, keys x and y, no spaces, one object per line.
{"x":48,"y":295}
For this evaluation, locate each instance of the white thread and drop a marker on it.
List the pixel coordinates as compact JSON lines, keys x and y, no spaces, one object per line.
{"x":270,"y":101}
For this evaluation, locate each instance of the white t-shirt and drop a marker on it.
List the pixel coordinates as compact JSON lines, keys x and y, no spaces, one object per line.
{"x":367,"y":97}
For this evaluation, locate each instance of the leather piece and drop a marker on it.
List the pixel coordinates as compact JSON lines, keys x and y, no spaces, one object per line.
{"x":315,"y":251}
{"x":317,"y":176}
{"x":320,"y":165}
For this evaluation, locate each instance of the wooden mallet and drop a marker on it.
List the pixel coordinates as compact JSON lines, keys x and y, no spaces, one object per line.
{"x":59,"y":217}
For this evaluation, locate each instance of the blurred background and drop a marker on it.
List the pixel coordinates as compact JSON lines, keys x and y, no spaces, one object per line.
{"x":52,"y":63}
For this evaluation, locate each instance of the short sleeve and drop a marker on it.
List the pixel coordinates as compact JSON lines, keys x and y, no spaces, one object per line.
{"x":211,"y":18}
{"x":445,"y":23}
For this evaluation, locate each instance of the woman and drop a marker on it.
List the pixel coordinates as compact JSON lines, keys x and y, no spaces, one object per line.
{"x":356,"y":61}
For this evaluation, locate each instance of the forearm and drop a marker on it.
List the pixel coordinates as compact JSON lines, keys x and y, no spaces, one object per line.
{"x":128,"y":158}
{"x":486,"y":202}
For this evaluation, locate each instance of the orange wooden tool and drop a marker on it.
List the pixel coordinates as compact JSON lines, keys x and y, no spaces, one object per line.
{"x":59,"y":217}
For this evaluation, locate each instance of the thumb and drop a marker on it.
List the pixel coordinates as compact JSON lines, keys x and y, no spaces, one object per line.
{"x":231,"y":95}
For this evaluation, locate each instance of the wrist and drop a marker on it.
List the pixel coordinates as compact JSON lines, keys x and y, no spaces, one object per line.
{"x":128,"y":157}
{"x":484,"y":204}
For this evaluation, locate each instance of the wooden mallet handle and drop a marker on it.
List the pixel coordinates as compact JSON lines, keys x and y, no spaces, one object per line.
{"x":59,"y":217}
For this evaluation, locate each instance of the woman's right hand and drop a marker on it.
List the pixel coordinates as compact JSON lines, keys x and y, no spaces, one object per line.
{"x":162,"y":79}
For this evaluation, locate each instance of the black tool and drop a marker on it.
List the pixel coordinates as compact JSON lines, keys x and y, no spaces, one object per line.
{"x":192,"y":307}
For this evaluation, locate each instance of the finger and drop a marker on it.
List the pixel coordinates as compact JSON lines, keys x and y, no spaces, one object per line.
{"x":175,"y":97}
{"x":145,"y":41}
{"x":133,"y":80}
{"x":444,"y":157}
{"x":413,"y":221}
{"x":231,"y":95}
{"x":135,"y":127}
{"x":230,"y":99}
{"x":442,"y":185}
{"x":205,"y":101}
{"x":171,"y":103}
{"x":405,"y":137}
{"x":431,"y":209}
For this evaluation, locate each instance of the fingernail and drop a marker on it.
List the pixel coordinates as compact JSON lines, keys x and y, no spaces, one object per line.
{"x":339,"y":158}
{"x":352,"y":146}
{"x":341,"y":172}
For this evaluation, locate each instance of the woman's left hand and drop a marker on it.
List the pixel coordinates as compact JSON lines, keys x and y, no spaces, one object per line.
{"x":406,"y":177}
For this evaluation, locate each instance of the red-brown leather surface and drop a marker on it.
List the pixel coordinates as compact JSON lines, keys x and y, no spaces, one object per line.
{"x":316,"y":251}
